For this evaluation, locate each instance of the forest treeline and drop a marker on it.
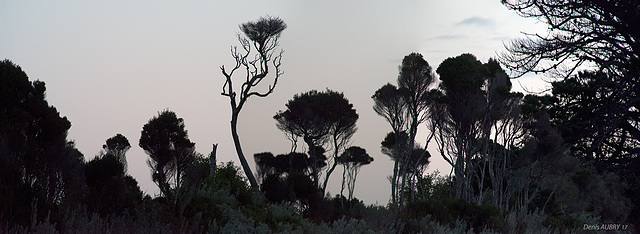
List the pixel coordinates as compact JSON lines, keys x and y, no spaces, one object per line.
{"x":562,"y":161}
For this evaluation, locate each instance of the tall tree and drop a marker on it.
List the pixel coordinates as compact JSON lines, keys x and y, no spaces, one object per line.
{"x":262,"y":35}
{"x":33,"y":138}
{"x":405,"y":108}
{"x":390,"y":104}
{"x":459,"y":127}
{"x":321,"y":119}
{"x":478,"y":126}
{"x":171,"y":153}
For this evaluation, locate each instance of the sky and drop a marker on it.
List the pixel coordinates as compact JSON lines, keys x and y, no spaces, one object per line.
{"x":110,"y":66}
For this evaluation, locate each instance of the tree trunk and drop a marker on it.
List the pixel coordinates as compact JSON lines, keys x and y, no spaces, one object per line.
{"x":314,"y":162}
{"x":394,"y":184}
{"x":213,"y":161}
{"x":344,"y":176}
{"x":177,"y":193}
{"x":333,"y":166}
{"x":243,"y":160}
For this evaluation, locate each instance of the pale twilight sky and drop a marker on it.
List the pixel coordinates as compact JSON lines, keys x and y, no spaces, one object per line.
{"x":110,"y":66}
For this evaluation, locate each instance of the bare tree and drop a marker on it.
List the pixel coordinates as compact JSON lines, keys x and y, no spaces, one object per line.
{"x":601,"y":33}
{"x":262,"y":35}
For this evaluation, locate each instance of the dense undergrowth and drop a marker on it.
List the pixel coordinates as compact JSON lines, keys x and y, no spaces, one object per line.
{"x":226,"y":204}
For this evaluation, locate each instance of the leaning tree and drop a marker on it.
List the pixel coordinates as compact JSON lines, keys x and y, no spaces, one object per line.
{"x":164,"y":138}
{"x":261,"y":36}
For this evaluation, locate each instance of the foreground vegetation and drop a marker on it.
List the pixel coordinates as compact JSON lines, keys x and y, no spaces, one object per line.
{"x":562,"y":162}
{"x":226,"y":204}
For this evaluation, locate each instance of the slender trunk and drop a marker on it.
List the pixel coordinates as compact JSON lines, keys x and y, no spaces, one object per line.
{"x":352,"y":185}
{"x":344,"y":176}
{"x":393,"y":184}
{"x":411,"y":187}
{"x":419,"y":182}
{"x":212,"y":161}
{"x":459,"y":173}
{"x":176,"y":207}
{"x":326,"y":179}
{"x":243,"y":160}
{"x":408,"y":148}
{"x":333,"y":166}
{"x":403,"y":183}
{"x":394,"y":179}
{"x":177,"y":189}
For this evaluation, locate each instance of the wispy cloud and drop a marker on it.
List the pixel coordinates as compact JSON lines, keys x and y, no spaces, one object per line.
{"x":448,"y":37}
{"x":476,"y":21}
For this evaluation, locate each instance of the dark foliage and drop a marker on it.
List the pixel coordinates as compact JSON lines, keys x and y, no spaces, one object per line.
{"x":110,"y":190}
{"x":262,"y":30}
{"x":118,"y":146}
{"x":596,"y":111}
{"x":171,"y":153}
{"x":41,"y":169}
{"x":319,"y":118}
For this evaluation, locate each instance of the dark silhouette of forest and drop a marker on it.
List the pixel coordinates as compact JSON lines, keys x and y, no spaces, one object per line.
{"x":566,"y":160}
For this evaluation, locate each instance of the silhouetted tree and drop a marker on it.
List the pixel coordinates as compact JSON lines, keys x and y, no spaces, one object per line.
{"x":171,"y":153}
{"x":286,"y":177}
{"x":598,"y":111}
{"x":320,"y":118}
{"x":478,"y":126}
{"x":118,"y":146}
{"x":389,"y":103}
{"x":603,"y":33}
{"x":110,"y":190}
{"x":268,"y":164}
{"x":586,"y":111}
{"x":263,"y":35}
{"x":459,"y":121}
{"x":352,"y":159}
{"x":416,"y":163}
{"x":33,"y":140}
{"x":405,"y":108}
